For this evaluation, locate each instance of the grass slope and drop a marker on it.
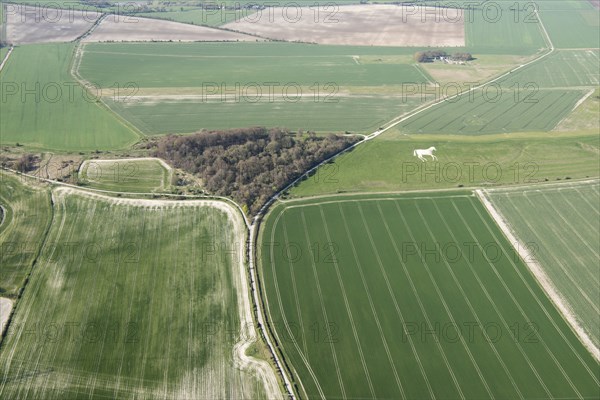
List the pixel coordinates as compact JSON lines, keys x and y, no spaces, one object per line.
{"x":374,"y":297}
{"x":561,"y":222}
{"x":43,"y":106}
{"x":142,"y":305}
{"x":388,"y":164}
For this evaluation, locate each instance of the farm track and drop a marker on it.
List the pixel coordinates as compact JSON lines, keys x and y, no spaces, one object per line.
{"x":6,"y":57}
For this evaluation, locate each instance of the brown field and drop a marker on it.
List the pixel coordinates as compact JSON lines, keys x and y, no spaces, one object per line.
{"x":135,"y":29}
{"x":363,"y":25}
{"x":35,"y":24}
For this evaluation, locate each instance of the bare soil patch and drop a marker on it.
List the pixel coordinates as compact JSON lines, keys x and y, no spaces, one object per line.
{"x":134,"y":29}
{"x":41,"y":24}
{"x":365,"y":25}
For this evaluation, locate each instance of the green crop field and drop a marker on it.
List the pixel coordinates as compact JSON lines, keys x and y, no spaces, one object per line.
{"x":44,"y":106}
{"x":573,"y":28}
{"x":500,"y":33}
{"x":561,"y":224}
{"x":135,"y":175}
{"x":362,"y":114}
{"x":563,"y":68}
{"x":496,"y":110}
{"x":168,"y":65}
{"x":26,"y":214}
{"x":182,"y":88}
{"x":388,"y":164}
{"x":412,"y":297}
{"x":130,"y":298}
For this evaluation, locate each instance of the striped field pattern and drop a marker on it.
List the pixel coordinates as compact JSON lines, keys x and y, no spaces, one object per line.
{"x":561,"y":224}
{"x":412,"y":297}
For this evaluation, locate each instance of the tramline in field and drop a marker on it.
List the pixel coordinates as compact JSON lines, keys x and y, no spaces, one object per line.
{"x":560,"y":224}
{"x":413,"y":296}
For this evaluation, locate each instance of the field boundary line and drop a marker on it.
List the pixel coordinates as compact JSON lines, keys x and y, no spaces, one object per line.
{"x":76,"y":59}
{"x":538,"y":272}
{"x":374,"y":199}
{"x":8,"y":53}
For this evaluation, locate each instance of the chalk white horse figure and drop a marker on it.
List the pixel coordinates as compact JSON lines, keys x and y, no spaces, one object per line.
{"x":425,"y":152}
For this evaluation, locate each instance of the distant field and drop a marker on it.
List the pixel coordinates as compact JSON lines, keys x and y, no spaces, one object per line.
{"x":388,"y":164}
{"x":495,"y":110}
{"x":57,"y":113}
{"x":130,"y":298}
{"x":25,"y":217}
{"x":360,"y":24}
{"x":182,"y":88}
{"x":561,"y":222}
{"x":34,"y":24}
{"x":502,"y":32}
{"x":570,"y":28}
{"x":373,"y":297}
{"x":563,"y":68}
{"x":171,"y":65}
{"x":135,"y":175}
{"x":362,"y":114}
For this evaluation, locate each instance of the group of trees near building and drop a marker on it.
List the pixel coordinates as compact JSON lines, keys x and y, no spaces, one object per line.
{"x":431,"y":55}
{"x":249,"y":165}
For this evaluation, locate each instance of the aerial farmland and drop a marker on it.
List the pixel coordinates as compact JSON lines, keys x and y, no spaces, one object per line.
{"x":300,"y":200}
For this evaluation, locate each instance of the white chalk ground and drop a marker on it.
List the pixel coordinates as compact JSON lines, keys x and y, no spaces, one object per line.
{"x":5,"y":309}
{"x":33,"y":24}
{"x":364,"y":25}
{"x":541,"y":276}
{"x":263,"y":370}
{"x":120,"y":28}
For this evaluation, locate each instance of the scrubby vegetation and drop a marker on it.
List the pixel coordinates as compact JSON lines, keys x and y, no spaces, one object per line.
{"x":251,"y":164}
